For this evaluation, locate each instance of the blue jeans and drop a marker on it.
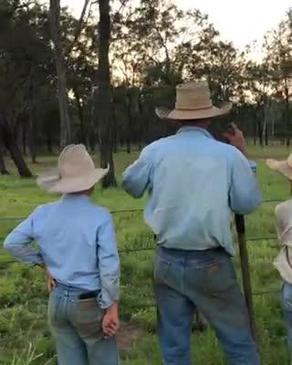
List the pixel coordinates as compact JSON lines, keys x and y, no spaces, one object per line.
{"x":287,"y":309}
{"x":76,"y":327}
{"x":203,"y":281}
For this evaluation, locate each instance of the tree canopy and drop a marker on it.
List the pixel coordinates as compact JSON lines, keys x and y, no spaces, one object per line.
{"x":152,"y":46}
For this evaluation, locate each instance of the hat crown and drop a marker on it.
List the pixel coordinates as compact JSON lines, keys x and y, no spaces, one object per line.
{"x":75,"y":161}
{"x":193,"y":95}
{"x":193,"y":102}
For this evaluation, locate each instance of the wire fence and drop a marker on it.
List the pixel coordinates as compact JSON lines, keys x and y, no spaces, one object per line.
{"x":152,"y":247}
{"x":140,"y":210}
{"x":135,"y":210}
{"x":121,"y":211}
{"x":148,"y":247}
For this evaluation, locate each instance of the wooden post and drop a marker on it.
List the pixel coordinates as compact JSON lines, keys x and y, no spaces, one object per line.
{"x":244,"y":262}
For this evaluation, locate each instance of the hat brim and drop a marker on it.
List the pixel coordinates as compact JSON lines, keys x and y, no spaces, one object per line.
{"x":53,"y":183}
{"x":175,"y":114}
{"x":280,"y":166}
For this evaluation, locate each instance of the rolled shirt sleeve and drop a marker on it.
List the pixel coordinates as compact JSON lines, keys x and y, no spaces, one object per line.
{"x":19,"y":241}
{"x":244,"y":192}
{"x":253,"y":166}
{"x":109,"y":263}
{"x":137,"y":177}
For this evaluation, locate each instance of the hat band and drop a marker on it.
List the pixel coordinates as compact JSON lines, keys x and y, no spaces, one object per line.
{"x":177,"y":107}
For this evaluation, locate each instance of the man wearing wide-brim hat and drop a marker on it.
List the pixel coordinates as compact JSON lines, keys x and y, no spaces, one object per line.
{"x":195,"y":184}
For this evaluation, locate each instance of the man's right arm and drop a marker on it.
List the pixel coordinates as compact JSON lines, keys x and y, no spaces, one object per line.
{"x":137,"y":177}
{"x":244,"y":192}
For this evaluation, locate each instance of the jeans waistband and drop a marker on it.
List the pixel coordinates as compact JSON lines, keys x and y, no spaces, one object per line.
{"x":192,"y":254}
{"x":71,"y":291}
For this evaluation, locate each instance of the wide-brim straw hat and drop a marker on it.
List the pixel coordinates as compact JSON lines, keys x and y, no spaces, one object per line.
{"x":193,"y":101}
{"x":284,"y":166}
{"x":76,"y":172}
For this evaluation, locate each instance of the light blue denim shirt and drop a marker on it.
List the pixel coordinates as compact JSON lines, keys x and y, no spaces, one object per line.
{"x":194,"y":183}
{"x":77,"y":243}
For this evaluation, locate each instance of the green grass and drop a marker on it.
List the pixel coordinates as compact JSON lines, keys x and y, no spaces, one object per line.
{"x":24,"y":335}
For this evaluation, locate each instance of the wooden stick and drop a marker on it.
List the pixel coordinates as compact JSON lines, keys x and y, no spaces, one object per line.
{"x":244,"y":263}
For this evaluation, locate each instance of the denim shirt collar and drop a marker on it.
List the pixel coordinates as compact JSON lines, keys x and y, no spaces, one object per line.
{"x":193,"y":129}
{"x":76,"y":197}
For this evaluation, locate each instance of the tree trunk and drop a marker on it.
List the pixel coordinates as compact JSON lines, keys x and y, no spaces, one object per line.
{"x":260,"y":132}
{"x":264,"y":130}
{"x":3,"y":170}
{"x":32,"y":142}
{"x":287,"y":114}
{"x":17,"y":158}
{"x":141,"y":122}
{"x":65,"y":127}
{"x":260,"y":128}
{"x":23,"y":132}
{"x":103,"y":97}
{"x":130,"y":122}
{"x":266,"y":136}
{"x":255,"y":131}
{"x":10,"y":142}
{"x":49,"y":144}
{"x":32,"y":136}
{"x":82,"y":137}
{"x":115,"y":132}
{"x":31,"y":124}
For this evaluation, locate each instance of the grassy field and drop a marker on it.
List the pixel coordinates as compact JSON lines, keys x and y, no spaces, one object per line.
{"x":24,"y":335}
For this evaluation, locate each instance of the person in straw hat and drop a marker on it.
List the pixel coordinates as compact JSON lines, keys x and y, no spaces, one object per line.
{"x":195,"y":183}
{"x":283,"y":262}
{"x":78,"y":247}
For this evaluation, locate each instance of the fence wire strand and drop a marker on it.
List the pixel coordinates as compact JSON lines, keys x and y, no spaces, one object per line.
{"x":6,"y":341}
{"x":150,"y":248}
{"x":132,"y":210}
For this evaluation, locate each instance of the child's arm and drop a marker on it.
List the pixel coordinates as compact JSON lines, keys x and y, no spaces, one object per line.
{"x":109,"y":268}
{"x":108,"y":263}
{"x":19,"y":241}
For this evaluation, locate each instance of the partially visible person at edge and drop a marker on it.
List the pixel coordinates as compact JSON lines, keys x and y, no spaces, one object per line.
{"x":195,"y":183}
{"x":77,"y":245}
{"x":283,"y":262}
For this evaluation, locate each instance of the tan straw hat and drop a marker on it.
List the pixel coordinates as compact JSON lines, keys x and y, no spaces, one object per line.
{"x":75,"y":172}
{"x":193,"y":101}
{"x":284,"y":167}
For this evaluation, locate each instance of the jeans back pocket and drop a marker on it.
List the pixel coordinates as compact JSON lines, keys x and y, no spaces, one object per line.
{"x":87,"y":318}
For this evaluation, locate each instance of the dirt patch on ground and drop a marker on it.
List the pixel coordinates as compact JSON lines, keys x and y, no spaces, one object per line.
{"x":132,"y":332}
{"x":129,"y":334}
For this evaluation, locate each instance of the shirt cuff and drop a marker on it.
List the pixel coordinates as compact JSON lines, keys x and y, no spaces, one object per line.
{"x":109,"y":294}
{"x":34,"y":260}
{"x":253,"y":166}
